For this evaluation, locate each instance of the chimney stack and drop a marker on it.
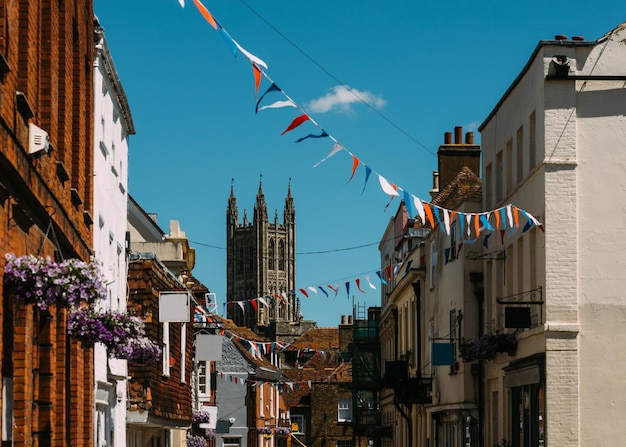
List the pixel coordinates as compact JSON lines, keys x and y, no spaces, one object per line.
{"x":458,"y":135}
{"x":453,"y":156}
{"x":343,"y":319}
{"x":349,"y":319}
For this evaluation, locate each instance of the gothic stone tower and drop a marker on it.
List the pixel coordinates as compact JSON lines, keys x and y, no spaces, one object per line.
{"x":261,"y":263}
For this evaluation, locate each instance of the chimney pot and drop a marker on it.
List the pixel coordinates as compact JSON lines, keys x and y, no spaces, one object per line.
{"x":447,"y":138}
{"x":436,"y":181}
{"x":578,"y":38}
{"x":458,"y":135}
{"x":560,"y":37}
{"x":349,"y":319}
{"x":343,"y":319}
{"x":469,"y":138}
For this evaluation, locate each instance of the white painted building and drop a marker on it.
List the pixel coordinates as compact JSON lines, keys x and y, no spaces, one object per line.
{"x":554,"y":146}
{"x":112,"y":126}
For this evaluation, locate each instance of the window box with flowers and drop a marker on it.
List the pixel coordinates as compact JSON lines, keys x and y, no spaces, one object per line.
{"x":487,"y":346}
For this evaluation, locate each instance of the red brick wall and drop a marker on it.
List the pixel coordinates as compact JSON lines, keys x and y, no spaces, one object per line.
{"x":48,"y":46}
{"x":169,"y":397}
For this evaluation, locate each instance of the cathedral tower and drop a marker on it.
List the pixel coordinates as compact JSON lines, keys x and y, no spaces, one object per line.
{"x":261,"y":265}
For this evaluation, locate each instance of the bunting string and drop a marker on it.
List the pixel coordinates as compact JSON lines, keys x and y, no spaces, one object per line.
{"x":428,"y":212}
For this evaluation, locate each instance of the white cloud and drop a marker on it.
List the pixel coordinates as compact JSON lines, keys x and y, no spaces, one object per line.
{"x":342,"y":98}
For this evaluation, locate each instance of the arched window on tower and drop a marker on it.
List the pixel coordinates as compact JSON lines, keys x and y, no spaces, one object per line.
{"x":271,"y":254}
{"x":281,"y":255}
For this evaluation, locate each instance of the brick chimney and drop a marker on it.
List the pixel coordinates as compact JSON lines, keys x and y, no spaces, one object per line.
{"x":453,"y":156}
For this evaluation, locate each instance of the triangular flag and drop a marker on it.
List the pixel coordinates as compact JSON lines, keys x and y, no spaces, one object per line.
{"x":348,"y":288}
{"x":257,"y":77}
{"x":312,"y":289}
{"x":408,"y":204}
{"x":429,"y":215}
{"x":205,"y":13}
{"x":251,"y":57}
{"x":271,"y":88}
{"x":336,"y":148}
{"x":278,"y":105}
{"x":408,"y":266}
{"x":358,"y":285}
{"x":486,"y":240}
{"x":368,"y":171}
{"x":182,"y":3}
{"x":355,"y":165}
{"x":304,"y":292}
{"x":419,"y":206}
{"x":381,"y":277}
{"x":322,"y":135}
{"x":367,"y":278}
{"x":255,"y":305}
{"x":323,"y":291}
{"x":262,"y":301}
{"x":387,"y":187}
{"x":229,"y":40}
{"x":484,"y":218}
{"x":295,"y":123}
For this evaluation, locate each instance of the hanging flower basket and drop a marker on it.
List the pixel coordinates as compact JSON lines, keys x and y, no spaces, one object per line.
{"x":123,"y":335}
{"x":264,"y":430}
{"x":197,"y":441}
{"x":487,"y":346}
{"x":43,"y":282}
{"x":200,"y":416}
{"x":281,"y":431}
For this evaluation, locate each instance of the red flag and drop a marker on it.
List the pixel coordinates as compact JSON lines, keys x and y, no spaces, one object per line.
{"x":304,"y":292}
{"x":296,"y":122}
{"x":255,"y":305}
{"x":358,"y":285}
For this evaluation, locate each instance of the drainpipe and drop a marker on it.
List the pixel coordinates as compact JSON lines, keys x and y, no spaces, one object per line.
{"x":476,"y":278}
{"x":406,"y":416}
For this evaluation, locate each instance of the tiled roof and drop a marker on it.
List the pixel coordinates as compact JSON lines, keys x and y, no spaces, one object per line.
{"x":465,"y":186}
{"x":319,"y":338}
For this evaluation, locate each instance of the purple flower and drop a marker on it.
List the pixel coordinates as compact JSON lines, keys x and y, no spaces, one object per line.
{"x":43,"y":282}
{"x":196,"y":441}
{"x":487,"y":346}
{"x":200,"y":416}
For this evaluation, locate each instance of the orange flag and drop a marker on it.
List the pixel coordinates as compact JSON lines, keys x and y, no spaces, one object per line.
{"x":205,"y":13}
{"x":257,"y":77}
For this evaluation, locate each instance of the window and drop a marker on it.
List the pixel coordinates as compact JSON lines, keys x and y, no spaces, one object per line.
{"x":453,"y":241}
{"x":532,"y":141}
{"x":183,"y":352}
{"x":281,"y":255}
{"x":231,"y":442}
{"x":453,"y":335}
{"x":297,"y":424}
{"x":166,"y":349}
{"x":344,"y":409}
{"x":203,"y":389}
{"x":433,"y":263}
{"x":271,"y":255}
{"x":519,"y":148}
{"x":509,"y":166}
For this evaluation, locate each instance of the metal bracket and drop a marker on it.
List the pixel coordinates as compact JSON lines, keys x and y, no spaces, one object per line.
{"x":538,"y":292}
{"x":496,"y":255}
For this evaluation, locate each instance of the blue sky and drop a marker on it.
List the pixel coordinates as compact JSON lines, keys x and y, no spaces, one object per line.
{"x":384,"y":79}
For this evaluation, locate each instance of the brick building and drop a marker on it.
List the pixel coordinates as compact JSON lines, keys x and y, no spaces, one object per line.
{"x":46,"y":135}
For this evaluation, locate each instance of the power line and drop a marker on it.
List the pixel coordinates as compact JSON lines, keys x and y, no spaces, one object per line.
{"x":332,"y":76}
{"x":356,"y":247}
